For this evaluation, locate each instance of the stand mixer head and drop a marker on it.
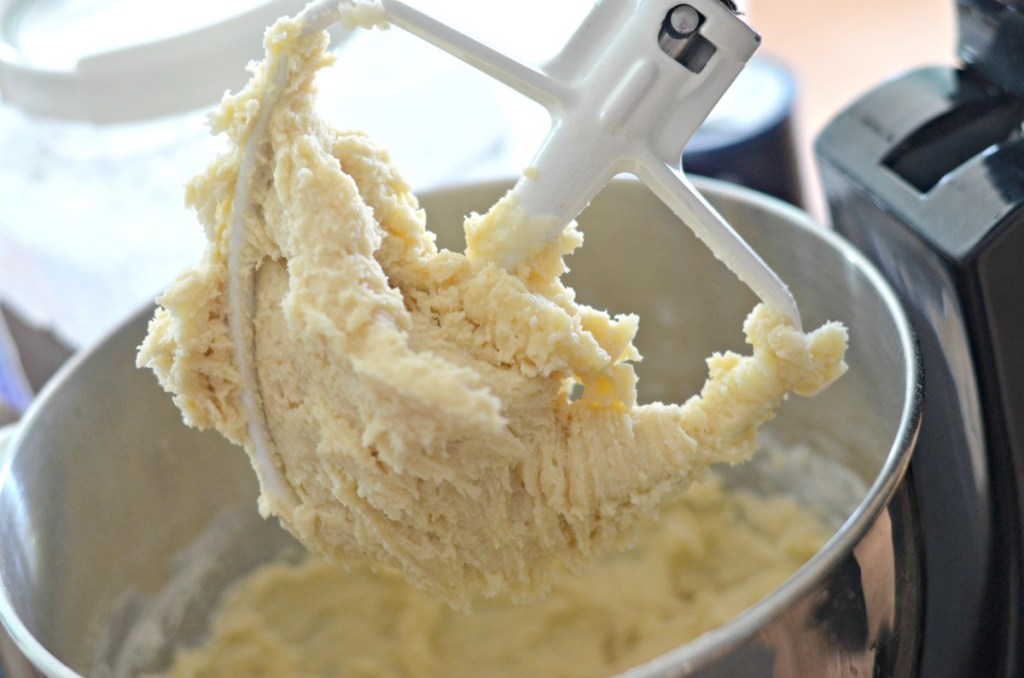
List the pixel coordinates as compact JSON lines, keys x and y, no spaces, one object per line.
{"x":923,"y":174}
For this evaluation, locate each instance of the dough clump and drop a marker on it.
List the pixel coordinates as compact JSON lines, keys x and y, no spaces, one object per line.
{"x":712,"y":554}
{"x":417,"y":400}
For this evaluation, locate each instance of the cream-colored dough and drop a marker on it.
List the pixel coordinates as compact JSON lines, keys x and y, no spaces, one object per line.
{"x":709,"y":557}
{"x":417,"y":399}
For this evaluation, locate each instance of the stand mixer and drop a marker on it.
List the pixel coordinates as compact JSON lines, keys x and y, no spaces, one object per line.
{"x":922,"y":174}
{"x":925,"y":174}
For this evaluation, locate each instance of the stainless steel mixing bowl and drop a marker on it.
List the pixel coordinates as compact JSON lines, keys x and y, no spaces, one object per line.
{"x":119,"y":525}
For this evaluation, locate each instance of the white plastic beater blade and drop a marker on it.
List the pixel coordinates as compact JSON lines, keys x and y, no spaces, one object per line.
{"x":681,"y":197}
{"x":619,"y":102}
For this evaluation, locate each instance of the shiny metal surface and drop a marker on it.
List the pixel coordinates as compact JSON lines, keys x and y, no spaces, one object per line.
{"x":110,"y":507}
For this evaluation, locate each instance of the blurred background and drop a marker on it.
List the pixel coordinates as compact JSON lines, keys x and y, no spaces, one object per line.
{"x":838,"y":50}
{"x":102,"y":122}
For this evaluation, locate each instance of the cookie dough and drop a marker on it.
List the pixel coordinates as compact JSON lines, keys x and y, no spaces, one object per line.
{"x":710,"y":556}
{"x":417,"y":400}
